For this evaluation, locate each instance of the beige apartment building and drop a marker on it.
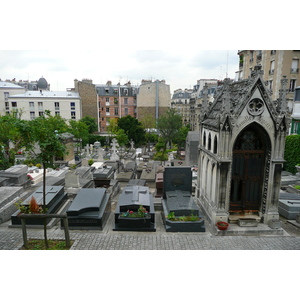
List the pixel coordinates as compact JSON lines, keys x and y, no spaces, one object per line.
{"x":153,"y":98}
{"x":275,"y":64}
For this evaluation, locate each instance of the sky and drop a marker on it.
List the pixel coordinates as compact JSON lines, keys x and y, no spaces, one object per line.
{"x":179,"y":68}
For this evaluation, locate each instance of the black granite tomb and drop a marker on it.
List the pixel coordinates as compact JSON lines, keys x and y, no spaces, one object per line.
{"x":131,"y":199}
{"x":179,"y":203}
{"x":55,"y":198}
{"x":89,"y":210}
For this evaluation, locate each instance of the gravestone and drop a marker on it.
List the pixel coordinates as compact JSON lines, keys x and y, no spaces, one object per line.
{"x":103,"y":176}
{"x":178,"y":202}
{"x":16,"y":176}
{"x":139,"y":182}
{"x":55,"y":198}
{"x":114,"y":155}
{"x":89,"y":210}
{"x":159,"y":181}
{"x":129,"y":172}
{"x":289,"y":208}
{"x":131,"y":198}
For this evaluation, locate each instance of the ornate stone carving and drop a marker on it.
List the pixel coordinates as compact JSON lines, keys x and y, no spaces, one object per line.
{"x":256,"y":107}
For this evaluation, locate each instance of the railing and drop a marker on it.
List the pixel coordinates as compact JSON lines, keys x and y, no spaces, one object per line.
{"x":64,"y":217}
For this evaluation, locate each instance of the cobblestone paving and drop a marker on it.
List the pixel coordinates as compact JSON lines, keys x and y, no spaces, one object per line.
{"x":11,"y":239}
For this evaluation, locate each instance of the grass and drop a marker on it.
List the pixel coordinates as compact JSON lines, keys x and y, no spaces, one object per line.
{"x":40,"y":245}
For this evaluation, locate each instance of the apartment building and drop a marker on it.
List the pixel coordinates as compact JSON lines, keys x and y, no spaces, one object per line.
{"x":115,"y":101}
{"x":32,"y":104}
{"x":7,"y":89}
{"x":275,"y":64}
{"x":203,"y":88}
{"x":153,"y":98}
{"x":181,"y":102}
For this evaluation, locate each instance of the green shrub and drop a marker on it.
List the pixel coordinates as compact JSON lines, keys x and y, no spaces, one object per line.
{"x":292,"y":153}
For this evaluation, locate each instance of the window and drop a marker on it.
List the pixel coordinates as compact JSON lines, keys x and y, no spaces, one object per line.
{"x":14,"y":104}
{"x":41,"y":113}
{"x":6,"y":105}
{"x":56,"y":105}
{"x":6,"y":95}
{"x":107,"y":101}
{"x":215,"y":145}
{"x":125,"y":101}
{"x":272,"y":67}
{"x":107,"y":91}
{"x":116,"y":111}
{"x":126,"y":92}
{"x":271,"y":84}
{"x":292,"y":85}
{"x":73,"y":115}
{"x":31,"y":104}
{"x":57,"y":113}
{"x":72,"y":104}
{"x":126,"y":111}
{"x":115,"y":91}
{"x":107,"y":111}
{"x":32,"y":115}
{"x":209,"y":142}
{"x":40,"y":105}
{"x":295,"y":66}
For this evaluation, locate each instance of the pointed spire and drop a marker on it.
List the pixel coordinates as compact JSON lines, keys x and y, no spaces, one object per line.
{"x":205,"y":98}
{"x":226,"y":97}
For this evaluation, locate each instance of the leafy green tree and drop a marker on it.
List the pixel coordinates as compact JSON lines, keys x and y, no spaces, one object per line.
{"x":180,"y":138}
{"x":292,"y":153}
{"x":113,"y":127}
{"x":133,"y":128}
{"x":15,"y":130}
{"x":80,"y":131}
{"x":169,"y":125}
{"x":45,"y":133}
{"x":91,"y":123}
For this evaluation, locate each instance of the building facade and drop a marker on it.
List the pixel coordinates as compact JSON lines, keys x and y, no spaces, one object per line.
{"x":153,"y":98}
{"x":241,"y":151}
{"x":276,"y":64}
{"x":115,"y":101}
{"x":8,"y":89}
{"x":181,"y":102}
{"x":205,"y":88}
{"x":32,"y":104}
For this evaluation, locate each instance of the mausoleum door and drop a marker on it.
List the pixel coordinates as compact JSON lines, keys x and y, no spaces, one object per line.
{"x":247,"y":172}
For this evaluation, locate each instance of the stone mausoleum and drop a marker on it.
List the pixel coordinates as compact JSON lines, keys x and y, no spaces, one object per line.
{"x":241,"y":149}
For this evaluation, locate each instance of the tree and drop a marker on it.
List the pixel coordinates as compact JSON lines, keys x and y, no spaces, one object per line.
{"x":91,"y":123}
{"x":18,"y":132}
{"x":169,"y":125}
{"x":180,"y":138}
{"x":133,"y":128}
{"x":80,"y":131}
{"x":45,"y":133}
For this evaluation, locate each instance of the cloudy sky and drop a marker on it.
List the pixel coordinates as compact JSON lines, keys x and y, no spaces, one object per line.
{"x":131,"y":40}
{"x":180,"y":68}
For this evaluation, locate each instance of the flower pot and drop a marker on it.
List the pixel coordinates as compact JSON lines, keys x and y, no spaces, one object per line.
{"x":222,"y":225}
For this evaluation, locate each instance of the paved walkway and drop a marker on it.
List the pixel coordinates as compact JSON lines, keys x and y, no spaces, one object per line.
{"x":11,"y":239}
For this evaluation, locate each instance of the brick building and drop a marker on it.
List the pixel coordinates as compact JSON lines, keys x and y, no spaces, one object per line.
{"x":115,"y":101}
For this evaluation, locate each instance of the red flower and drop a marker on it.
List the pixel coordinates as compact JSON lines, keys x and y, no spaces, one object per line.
{"x":131,"y":212}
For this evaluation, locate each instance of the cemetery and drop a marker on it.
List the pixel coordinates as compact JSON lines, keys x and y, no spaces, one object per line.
{"x":119,"y":189}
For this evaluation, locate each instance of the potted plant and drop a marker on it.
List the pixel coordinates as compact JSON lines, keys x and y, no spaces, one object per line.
{"x":222,"y":225}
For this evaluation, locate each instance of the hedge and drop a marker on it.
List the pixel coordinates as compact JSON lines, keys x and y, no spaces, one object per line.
{"x":292,"y":153}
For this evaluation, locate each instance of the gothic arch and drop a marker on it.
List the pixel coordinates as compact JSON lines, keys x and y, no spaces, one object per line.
{"x":249,"y":165}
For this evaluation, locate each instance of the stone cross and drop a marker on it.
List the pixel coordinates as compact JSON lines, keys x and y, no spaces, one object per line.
{"x":136,"y":190}
{"x":114,"y":155}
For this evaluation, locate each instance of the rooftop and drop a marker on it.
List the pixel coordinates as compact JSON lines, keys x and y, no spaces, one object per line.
{"x":46,"y":94}
{"x":8,"y":85}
